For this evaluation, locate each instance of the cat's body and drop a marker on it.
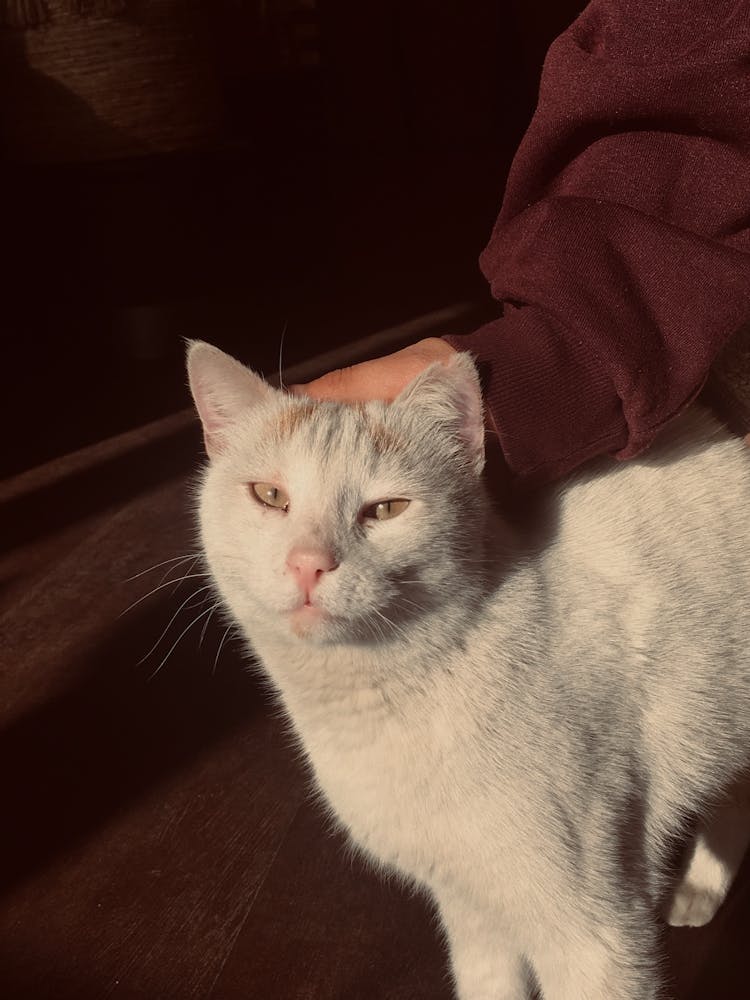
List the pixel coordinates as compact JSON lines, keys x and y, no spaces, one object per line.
{"x":522,"y":722}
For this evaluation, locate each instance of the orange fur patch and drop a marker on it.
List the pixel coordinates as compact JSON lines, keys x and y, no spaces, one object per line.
{"x":383,"y":439}
{"x":293,"y":418}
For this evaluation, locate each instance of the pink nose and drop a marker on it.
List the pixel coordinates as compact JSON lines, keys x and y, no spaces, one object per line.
{"x":309,"y":565}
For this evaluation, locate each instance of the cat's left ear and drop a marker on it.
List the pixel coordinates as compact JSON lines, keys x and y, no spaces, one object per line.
{"x":222,"y":388}
{"x":450,"y":394}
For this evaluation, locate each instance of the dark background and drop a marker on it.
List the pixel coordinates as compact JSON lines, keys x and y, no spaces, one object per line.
{"x":332,"y":167}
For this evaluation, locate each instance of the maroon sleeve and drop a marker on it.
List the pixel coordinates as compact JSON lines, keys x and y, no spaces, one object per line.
{"x":622,"y":251}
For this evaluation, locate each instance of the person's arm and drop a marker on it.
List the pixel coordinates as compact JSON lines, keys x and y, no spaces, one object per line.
{"x":622,"y":251}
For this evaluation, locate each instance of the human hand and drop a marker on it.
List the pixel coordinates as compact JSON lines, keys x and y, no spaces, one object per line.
{"x":382,"y":378}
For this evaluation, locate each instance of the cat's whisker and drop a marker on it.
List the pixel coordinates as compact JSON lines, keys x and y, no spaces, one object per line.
{"x":281,"y":351}
{"x":177,"y":641}
{"x":218,"y":651}
{"x":150,"y":569}
{"x":191,"y":567}
{"x":161,"y":586}
{"x":396,"y":628}
{"x":413,"y":604}
{"x":376,"y":629}
{"x":180,"y":566}
{"x":171,"y":620}
{"x":394,"y":631}
{"x":205,"y":624}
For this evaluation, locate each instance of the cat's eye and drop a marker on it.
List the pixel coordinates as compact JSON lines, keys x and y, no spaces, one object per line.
{"x":270,"y":495}
{"x":384,"y":510}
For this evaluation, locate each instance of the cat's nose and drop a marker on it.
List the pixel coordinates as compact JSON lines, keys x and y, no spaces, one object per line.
{"x":309,"y":565}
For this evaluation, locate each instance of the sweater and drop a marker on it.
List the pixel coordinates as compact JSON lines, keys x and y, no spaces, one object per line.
{"x":621,"y":255}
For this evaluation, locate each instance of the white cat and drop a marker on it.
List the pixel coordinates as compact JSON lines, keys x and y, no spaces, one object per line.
{"x":522,"y":721}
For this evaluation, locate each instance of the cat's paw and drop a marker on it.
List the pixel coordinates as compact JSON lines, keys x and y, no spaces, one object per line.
{"x":694,"y":904}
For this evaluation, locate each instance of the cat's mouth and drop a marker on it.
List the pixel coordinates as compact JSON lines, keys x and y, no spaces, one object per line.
{"x":306,"y":617}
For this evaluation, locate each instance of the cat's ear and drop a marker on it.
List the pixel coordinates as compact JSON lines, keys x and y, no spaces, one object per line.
{"x":449,"y":392}
{"x":222,"y":389}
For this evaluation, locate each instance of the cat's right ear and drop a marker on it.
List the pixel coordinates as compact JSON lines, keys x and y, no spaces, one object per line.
{"x":448,"y":395}
{"x":222,"y":389}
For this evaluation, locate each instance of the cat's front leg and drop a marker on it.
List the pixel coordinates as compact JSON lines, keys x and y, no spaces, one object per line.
{"x":485,"y":966}
{"x":599,"y":963}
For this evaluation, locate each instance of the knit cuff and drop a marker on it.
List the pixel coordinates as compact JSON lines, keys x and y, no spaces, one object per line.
{"x":534,"y":380}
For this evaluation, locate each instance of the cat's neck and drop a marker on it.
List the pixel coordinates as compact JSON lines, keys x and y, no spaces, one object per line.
{"x":352,"y":689}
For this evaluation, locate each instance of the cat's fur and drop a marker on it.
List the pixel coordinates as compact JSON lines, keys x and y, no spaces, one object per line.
{"x":522,"y":722}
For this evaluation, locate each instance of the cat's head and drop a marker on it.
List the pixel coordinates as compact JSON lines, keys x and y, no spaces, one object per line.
{"x":327,"y":522}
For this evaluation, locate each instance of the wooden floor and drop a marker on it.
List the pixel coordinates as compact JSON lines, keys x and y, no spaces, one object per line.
{"x":158,"y":837}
